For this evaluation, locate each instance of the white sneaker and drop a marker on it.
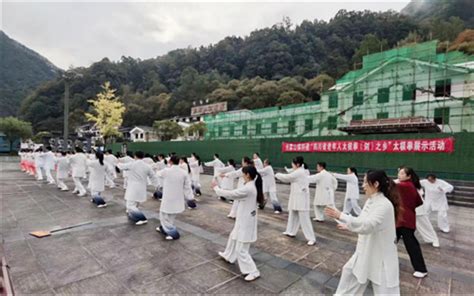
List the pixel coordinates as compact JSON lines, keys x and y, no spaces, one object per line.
{"x":168,"y":237}
{"x":221,"y":254}
{"x":230,"y":216}
{"x":311,"y":243}
{"x":81,"y":194}
{"x":158,"y":229}
{"x":141,"y":222}
{"x":277,"y":212}
{"x":252,"y":276}
{"x":75,"y":191}
{"x":445,"y":231}
{"x":102,"y":206}
{"x":436,"y":245}
{"x":288,"y":234}
{"x":419,"y":274}
{"x":64,"y":189}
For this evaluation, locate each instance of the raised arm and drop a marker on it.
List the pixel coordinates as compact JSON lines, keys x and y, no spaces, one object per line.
{"x":238,"y":193}
{"x":367,"y":224}
{"x":288,"y":178}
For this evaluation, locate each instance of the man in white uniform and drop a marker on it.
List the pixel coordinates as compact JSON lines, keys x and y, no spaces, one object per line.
{"x":137,"y":172}
{"x":176,"y":190}
{"x":326,"y":185}
{"x":111,"y":162}
{"x":435,"y":199}
{"x":49,"y":162}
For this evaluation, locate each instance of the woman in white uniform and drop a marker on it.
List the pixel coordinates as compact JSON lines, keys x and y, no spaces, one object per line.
{"x":298,"y":204}
{"x":78,"y":163}
{"x":435,"y":199}
{"x":269,"y":185}
{"x":184,"y":165}
{"x":98,"y":171}
{"x":227,"y":183}
{"x":216,"y":164}
{"x":62,"y":171}
{"x":238,"y":174}
{"x":127,"y":159}
{"x":352,"y":191}
{"x":245,"y":228}
{"x":111,"y":162}
{"x":196,"y":168}
{"x":375,"y":258}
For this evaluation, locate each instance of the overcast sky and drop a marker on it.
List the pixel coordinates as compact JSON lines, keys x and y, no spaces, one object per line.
{"x":79,"y":33}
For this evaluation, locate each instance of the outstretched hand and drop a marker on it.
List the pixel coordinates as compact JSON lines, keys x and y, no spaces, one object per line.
{"x":332,"y":212}
{"x":342,"y":226}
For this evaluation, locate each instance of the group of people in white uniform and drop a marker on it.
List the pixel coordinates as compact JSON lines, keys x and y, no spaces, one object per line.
{"x":177,"y":183}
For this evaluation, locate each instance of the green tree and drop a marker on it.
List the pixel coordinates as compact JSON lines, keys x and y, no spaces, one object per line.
{"x":41,"y":137}
{"x":167,"y":130}
{"x":291,"y":97}
{"x":198,"y":128}
{"x":370,"y":44}
{"x":15,"y":129}
{"x":108,"y":112}
{"x":317,"y":85}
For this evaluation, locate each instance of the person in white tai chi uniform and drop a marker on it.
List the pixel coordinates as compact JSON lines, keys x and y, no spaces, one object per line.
{"x":49,"y":162}
{"x":375,"y":259}
{"x":137,"y":172}
{"x":216,"y":164}
{"x":237,"y":174}
{"x":98,"y":172}
{"x":245,"y":228}
{"x":111,"y":162}
{"x":176,"y":192}
{"x":62,"y":171}
{"x":326,"y":186}
{"x":257,"y":162}
{"x":78,"y":163}
{"x":435,"y":199}
{"x":298,"y":204}
{"x":352,"y":191}
{"x":269,"y":185}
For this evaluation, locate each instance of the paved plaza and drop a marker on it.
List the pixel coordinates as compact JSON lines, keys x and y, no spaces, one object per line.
{"x":113,"y":256}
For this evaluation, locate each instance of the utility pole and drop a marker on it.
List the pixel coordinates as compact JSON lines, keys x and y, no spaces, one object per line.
{"x":68,"y":77}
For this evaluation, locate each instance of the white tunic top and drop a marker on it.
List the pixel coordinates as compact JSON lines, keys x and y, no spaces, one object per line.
{"x":176,"y":188}
{"x":299,"y":189}
{"x":376,"y":252}
{"x":435,"y":194}
{"x":137,"y":172}
{"x":126,"y":159}
{"x":257,"y":162}
{"x":216,"y":164}
{"x":78,"y":165}
{"x":326,"y":186}
{"x":352,"y":187}
{"x":268,"y":178}
{"x":245,"y":227}
{"x":63,"y":167}
{"x":49,"y":160}
{"x":227,"y":182}
{"x":111,"y":161}
{"x":195,"y":170}
{"x":97,"y":175}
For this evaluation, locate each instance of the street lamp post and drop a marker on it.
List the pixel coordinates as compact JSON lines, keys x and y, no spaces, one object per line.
{"x":68,"y":76}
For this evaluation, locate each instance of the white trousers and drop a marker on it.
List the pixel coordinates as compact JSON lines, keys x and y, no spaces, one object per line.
{"x":319,"y":212}
{"x":167,"y":221}
{"x":239,"y":251}
{"x":348,"y":285}
{"x":443,"y":222}
{"x":297,"y":218}
{"x":78,"y":185}
{"x":125,"y":179}
{"x":61,"y":184}
{"x":109,"y":180}
{"x":39,"y":173}
{"x":49,"y":177}
{"x":351,"y":205}
{"x":132,"y":206}
{"x":426,"y":230}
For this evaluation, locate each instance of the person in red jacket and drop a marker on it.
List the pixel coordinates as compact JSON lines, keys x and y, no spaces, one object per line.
{"x":408,"y":186}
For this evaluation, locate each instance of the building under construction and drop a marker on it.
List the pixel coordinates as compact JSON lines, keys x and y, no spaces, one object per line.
{"x":403,"y":90}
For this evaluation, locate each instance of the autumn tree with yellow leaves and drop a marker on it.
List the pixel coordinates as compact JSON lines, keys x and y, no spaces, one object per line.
{"x":108,"y":112}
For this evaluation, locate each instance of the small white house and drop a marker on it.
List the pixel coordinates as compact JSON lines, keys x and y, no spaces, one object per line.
{"x":143,"y":134}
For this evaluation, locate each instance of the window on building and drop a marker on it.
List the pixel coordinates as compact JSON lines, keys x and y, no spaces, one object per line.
{"x":383,"y":95}
{"x":244,"y":130}
{"x":443,"y":88}
{"x":141,"y":135}
{"x":382,"y":115}
{"x":219,"y":131}
{"x":274,"y":127}
{"x":333,"y":100}
{"x":291,"y":126}
{"x":258,"y":129}
{"x":409,"y":92}
{"x":441,"y":115}
{"x":357,"y":117}
{"x":358,"y":98}
{"x":231,"y":131}
{"x":332,"y":122}
{"x":308,"y":125}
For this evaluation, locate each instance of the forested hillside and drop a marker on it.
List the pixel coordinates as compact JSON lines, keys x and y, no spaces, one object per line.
{"x":286,"y":63}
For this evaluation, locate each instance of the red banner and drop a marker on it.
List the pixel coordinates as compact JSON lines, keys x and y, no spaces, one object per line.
{"x":441,"y":145}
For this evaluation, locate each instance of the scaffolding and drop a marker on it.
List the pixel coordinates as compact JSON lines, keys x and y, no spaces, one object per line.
{"x":406,"y":82}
